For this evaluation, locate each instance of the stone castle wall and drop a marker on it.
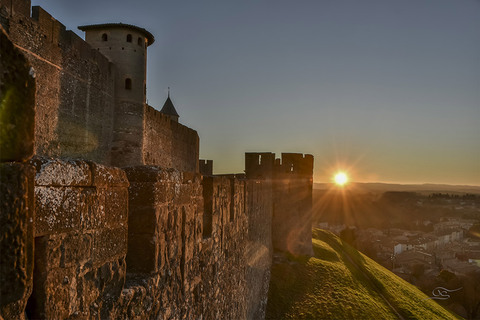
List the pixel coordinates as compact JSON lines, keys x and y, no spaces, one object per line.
{"x":132,"y":244}
{"x":81,"y":228}
{"x":292,"y":182}
{"x":168,"y":143}
{"x":84,"y":240}
{"x":78,"y":114}
{"x":75,"y":93}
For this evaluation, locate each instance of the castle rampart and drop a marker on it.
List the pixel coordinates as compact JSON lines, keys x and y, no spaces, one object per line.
{"x":171,"y":270}
{"x":82,"y":239}
{"x":75,"y":93}
{"x":168,"y":143}
{"x":83,"y":108}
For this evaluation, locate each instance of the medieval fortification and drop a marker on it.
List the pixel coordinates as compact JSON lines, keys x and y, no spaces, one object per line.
{"x":106,"y":210}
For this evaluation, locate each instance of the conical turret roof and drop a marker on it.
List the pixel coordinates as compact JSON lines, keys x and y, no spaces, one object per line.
{"x":168,"y":108}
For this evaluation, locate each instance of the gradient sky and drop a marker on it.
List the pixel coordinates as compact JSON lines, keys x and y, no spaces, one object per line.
{"x":387,"y":90}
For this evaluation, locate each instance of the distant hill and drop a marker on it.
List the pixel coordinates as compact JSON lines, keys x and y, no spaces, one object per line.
{"x":421,"y":188}
{"x":342,"y":283}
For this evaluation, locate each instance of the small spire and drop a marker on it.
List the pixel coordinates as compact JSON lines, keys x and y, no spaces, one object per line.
{"x":169,"y":109}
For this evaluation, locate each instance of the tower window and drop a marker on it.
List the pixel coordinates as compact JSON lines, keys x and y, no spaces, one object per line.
{"x":104,"y":37}
{"x":139,"y":41}
{"x":128,"y":84}
{"x":129,"y":38}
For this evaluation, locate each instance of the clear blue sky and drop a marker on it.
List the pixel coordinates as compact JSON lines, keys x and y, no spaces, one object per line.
{"x":387,"y":90}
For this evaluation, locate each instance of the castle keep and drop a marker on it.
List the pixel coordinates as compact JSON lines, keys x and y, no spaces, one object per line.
{"x":106,"y":209}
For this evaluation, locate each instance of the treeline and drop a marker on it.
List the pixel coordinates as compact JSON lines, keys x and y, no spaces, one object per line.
{"x":467,"y":196}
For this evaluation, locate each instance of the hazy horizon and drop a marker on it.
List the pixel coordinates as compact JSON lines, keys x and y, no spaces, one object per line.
{"x":387,"y":91}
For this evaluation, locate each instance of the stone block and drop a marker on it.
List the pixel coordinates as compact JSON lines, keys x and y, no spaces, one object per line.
{"x":152,"y":174}
{"x":191,"y":177}
{"x":109,"y":244}
{"x":62,"y":209}
{"x":54,"y":294}
{"x":150,"y":193}
{"x":108,"y":176}
{"x":58,"y":172}
{"x":76,"y":249}
{"x":116,"y":206}
{"x":17,"y":101}
{"x":183,"y":194}
{"x":16,"y":238}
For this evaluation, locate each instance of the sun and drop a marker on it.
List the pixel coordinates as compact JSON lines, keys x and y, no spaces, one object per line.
{"x":340,"y":178}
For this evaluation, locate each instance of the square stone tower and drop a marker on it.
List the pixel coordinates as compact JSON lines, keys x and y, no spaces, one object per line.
{"x":292,"y":182}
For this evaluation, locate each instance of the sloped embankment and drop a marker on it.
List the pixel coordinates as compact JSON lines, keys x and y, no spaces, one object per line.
{"x":341,"y":283}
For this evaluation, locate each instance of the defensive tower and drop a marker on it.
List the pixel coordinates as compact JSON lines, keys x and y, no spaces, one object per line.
{"x":125,"y":46}
{"x":292,"y":181}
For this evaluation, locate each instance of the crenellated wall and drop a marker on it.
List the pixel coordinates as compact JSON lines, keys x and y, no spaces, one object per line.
{"x":292,"y":182}
{"x":113,"y":243}
{"x":81,"y":239}
{"x":80,"y":112}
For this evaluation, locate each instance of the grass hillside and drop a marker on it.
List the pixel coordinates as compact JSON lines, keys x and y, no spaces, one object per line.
{"x":341,"y":283}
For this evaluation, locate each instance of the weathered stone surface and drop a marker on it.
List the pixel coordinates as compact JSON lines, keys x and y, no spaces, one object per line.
{"x":58,"y":172}
{"x":151,"y":174}
{"x":74,"y":96}
{"x":17,"y":103}
{"x":196,"y":250}
{"x":168,"y":143}
{"x":143,"y":254}
{"x":81,"y":240}
{"x":116,"y":206}
{"x":61,"y":209}
{"x":108,"y":176}
{"x":16,"y":238}
{"x":69,"y":199}
{"x":109,"y":244}
{"x":83,"y":291}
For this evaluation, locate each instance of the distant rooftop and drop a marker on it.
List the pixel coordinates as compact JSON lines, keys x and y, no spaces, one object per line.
{"x":148,"y":35}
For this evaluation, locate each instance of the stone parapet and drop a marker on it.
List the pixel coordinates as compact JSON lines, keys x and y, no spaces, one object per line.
{"x":81,"y":228}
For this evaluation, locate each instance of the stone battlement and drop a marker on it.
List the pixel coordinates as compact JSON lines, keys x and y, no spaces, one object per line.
{"x":154,"y":239}
{"x":176,"y":236}
{"x":78,"y":110}
{"x":265,"y":165}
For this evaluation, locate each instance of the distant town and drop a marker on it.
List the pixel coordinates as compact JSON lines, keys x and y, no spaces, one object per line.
{"x":412,"y":233}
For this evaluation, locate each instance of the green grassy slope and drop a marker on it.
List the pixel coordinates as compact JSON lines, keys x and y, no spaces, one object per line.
{"x":341,"y":283}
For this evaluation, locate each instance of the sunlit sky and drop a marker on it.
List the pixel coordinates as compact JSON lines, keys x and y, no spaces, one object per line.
{"x":388,"y":91}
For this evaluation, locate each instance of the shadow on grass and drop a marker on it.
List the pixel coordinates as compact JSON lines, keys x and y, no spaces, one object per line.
{"x":353,"y":260}
{"x":289,"y":283}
